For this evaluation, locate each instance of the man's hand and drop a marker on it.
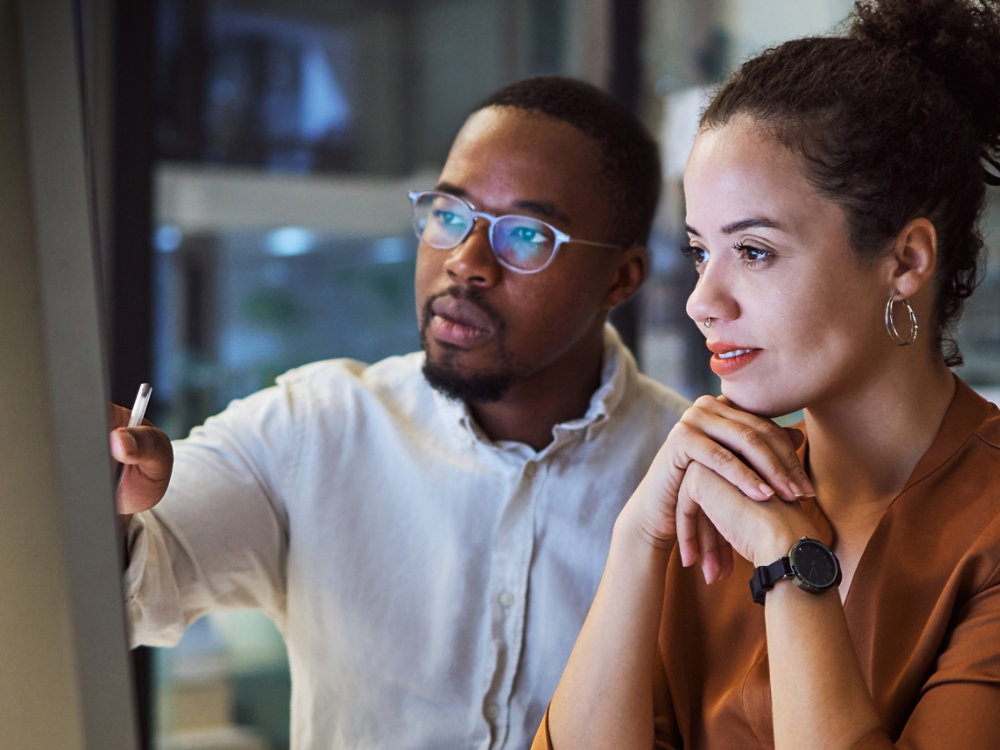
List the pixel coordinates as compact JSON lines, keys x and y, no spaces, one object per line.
{"x":148,"y":459}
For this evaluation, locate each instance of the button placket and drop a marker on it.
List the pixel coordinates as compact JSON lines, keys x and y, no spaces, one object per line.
{"x":512,"y":562}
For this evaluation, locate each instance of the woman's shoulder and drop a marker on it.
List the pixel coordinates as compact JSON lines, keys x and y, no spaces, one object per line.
{"x":975,"y":407}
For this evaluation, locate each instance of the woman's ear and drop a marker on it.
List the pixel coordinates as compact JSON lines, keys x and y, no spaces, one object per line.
{"x":630,"y":273}
{"x":913,"y":257}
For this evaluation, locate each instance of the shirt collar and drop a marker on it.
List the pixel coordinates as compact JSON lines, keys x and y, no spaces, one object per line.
{"x":618,"y":369}
{"x":964,"y":416}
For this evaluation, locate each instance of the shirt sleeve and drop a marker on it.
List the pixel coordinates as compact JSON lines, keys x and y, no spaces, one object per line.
{"x":219,"y":537}
{"x":959,"y":705}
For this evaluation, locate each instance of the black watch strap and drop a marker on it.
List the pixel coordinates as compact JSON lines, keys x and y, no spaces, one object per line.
{"x":765,"y":576}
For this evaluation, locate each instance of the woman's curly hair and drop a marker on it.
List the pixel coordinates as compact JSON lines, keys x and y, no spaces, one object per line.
{"x":897,"y":119}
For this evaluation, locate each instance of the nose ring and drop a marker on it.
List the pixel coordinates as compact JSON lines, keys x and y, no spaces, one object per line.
{"x":707,"y":323}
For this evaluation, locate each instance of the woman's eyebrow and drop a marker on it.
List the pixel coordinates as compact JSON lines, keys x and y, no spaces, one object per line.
{"x":739,"y":226}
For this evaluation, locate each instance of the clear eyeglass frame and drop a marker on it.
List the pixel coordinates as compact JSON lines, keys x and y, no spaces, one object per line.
{"x":559,"y":237}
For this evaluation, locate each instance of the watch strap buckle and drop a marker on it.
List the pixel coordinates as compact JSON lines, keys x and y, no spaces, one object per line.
{"x":765,"y":576}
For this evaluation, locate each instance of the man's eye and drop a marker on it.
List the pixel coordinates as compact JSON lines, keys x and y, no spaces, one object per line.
{"x":448,"y":218}
{"x":527,"y":234}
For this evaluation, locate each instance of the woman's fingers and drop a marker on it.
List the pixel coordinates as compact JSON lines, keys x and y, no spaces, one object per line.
{"x":748,"y":453}
{"x":698,"y":540}
{"x":751,"y":452}
{"x":715,"y":553}
{"x":748,"y":528}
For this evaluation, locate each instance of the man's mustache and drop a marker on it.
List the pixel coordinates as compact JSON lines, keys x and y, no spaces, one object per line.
{"x":468,"y":295}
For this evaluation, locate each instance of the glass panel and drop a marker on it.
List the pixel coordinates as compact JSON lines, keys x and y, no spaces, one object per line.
{"x":288,"y":134}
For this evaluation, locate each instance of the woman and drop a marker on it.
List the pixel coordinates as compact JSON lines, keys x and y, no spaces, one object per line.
{"x":832,"y":199}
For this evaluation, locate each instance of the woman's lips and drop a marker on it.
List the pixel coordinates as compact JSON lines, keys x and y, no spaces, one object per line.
{"x":460,"y":323}
{"x":728,"y":358}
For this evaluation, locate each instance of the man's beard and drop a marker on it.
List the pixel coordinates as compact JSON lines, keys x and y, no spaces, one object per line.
{"x":474,"y":387}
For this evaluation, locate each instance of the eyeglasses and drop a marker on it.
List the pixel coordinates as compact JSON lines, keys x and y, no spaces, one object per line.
{"x":520,"y":243}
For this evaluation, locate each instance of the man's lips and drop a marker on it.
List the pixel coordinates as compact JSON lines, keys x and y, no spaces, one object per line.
{"x":460,"y":323}
{"x":727,"y":358}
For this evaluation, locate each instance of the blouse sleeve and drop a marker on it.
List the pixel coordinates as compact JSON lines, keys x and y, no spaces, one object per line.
{"x":959,"y":704}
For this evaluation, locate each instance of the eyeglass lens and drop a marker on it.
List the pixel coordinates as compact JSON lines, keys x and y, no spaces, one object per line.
{"x":443,"y":221}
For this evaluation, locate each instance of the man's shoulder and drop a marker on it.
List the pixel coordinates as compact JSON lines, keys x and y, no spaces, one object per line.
{"x":391,"y":372}
{"x":651,"y":402}
{"x":394,"y":382}
{"x":647,"y":411}
{"x":652,"y":390}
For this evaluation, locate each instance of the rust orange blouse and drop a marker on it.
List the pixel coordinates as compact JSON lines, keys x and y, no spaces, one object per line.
{"x":923,"y":612}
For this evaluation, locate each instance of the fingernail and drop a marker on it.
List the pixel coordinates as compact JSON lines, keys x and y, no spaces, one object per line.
{"x":710,"y":572}
{"x":804,"y":489}
{"x":766,"y":491}
{"x":129,"y":444}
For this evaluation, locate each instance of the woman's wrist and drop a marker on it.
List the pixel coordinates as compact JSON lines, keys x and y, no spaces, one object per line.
{"x":777,"y":544}
{"x":634,"y":528}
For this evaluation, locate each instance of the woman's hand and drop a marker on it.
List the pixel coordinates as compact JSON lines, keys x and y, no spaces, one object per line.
{"x":751,"y":454}
{"x":760,"y":532}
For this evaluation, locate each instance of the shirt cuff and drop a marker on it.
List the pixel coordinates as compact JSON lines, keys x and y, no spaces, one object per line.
{"x":137,"y":544}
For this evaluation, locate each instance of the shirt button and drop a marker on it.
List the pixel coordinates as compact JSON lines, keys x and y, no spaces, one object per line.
{"x":506,"y":600}
{"x":492,"y":711}
{"x":530,"y":469}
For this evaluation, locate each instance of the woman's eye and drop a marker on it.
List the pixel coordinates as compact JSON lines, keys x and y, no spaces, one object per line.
{"x":698,"y":255}
{"x":751,"y":255}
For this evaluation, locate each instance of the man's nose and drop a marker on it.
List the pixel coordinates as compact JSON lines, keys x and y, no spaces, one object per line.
{"x":473,"y":261}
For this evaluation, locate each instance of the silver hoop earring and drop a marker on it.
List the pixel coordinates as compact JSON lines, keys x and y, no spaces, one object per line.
{"x":707,"y":323}
{"x":890,"y":323}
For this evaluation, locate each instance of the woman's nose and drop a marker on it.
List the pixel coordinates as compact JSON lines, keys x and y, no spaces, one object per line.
{"x":711,"y":297}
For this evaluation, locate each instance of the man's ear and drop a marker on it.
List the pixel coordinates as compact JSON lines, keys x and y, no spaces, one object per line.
{"x":629,"y":274}
{"x":911,"y":263}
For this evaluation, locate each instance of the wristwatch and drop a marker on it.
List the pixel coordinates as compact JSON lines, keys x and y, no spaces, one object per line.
{"x":809,"y":563}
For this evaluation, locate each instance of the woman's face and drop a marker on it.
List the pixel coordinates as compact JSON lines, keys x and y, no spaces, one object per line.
{"x":796,"y":314}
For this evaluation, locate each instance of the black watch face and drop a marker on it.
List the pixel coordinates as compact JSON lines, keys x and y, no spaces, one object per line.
{"x":815,"y":564}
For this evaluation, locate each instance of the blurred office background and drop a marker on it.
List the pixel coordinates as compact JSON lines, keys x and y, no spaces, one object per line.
{"x":253,"y":161}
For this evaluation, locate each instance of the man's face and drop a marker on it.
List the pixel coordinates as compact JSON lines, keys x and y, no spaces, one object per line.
{"x":487,"y":329}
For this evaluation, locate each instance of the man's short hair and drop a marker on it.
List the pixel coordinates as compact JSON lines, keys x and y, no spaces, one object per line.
{"x":630,"y":158}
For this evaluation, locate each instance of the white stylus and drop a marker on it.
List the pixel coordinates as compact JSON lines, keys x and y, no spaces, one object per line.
{"x":136,"y":416}
{"x":139,"y":407}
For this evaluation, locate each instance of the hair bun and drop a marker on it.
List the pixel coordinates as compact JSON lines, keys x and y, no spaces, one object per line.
{"x":959,"y":40}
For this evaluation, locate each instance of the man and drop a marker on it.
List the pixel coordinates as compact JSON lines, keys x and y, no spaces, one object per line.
{"x":428,"y":531}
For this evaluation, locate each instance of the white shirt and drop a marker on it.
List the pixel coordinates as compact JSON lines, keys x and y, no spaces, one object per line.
{"x":429,"y":583}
